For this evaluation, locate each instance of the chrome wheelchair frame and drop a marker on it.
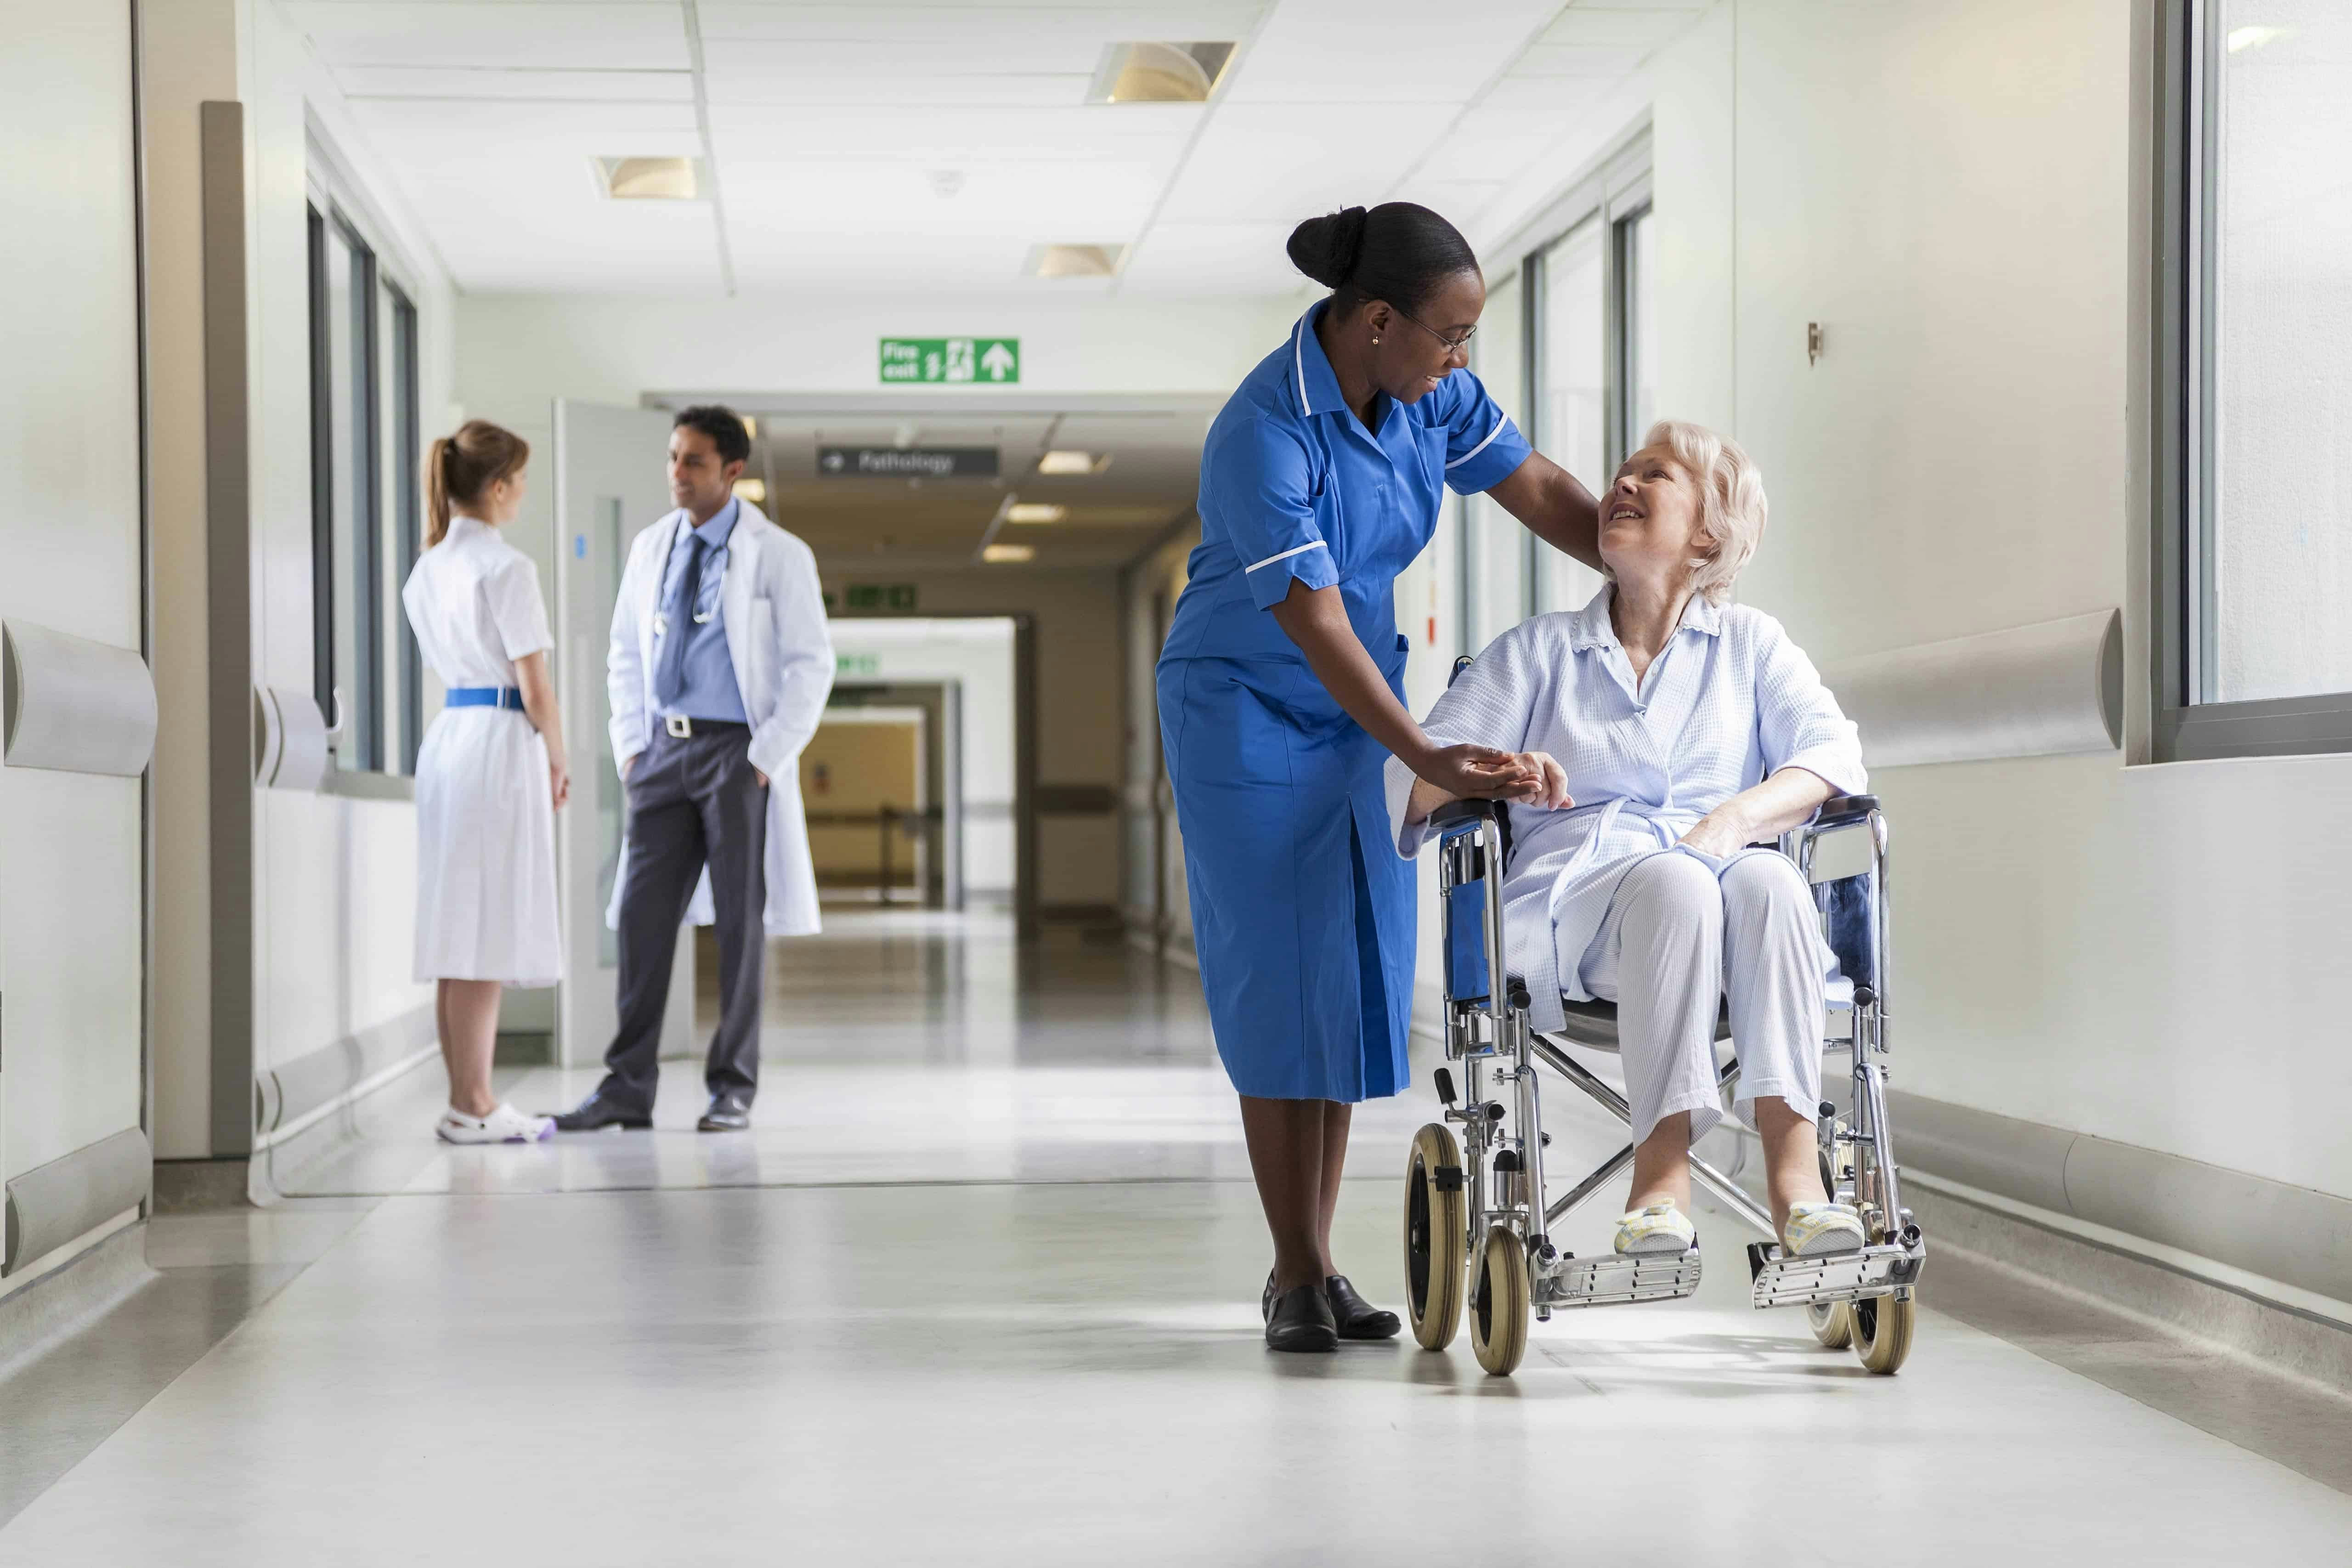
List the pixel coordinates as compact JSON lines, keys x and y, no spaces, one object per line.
{"x":1480,"y":1208}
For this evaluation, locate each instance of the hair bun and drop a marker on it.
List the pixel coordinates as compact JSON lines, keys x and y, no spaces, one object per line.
{"x":1325,"y":248}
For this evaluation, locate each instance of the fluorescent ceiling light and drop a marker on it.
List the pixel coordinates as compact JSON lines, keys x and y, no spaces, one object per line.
{"x":753,"y":490}
{"x":1074,"y":260}
{"x":1008,"y":554}
{"x":1159,"y":73}
{"x":649,"y":179}
{"x":1073,"y":463}
{"x":1035,"y":511}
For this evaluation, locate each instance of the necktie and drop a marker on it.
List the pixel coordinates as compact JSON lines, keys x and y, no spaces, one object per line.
{"x":669,"y":664}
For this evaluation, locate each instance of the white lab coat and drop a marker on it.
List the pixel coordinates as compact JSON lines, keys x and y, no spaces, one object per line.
{"x":774,"y":611}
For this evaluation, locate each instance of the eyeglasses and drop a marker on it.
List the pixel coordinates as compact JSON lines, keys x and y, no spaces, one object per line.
{"x":1452,"y":345}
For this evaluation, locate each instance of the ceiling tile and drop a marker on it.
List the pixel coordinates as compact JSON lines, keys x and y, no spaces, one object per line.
{"x":1213,"y":258}
{"x":557,"y":33}
{"x":1611,"y":60}
{"x":506,"y":82}
{"x":1641,"y":29}
{"x":1280,"y":164}
{"x":1117,"y":19}
{"x":1360,"y":51}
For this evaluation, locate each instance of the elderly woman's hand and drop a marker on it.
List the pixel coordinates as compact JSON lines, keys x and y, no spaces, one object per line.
{"x":1550,"y":781}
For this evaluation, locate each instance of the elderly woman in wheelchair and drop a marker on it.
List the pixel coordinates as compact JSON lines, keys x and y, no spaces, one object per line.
{"x":1662,"y":734}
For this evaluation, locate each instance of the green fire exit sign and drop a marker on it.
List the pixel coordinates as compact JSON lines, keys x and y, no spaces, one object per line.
{"x":992,"y":360}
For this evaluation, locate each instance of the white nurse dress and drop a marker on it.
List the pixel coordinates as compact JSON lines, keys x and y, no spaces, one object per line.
{"x":486,"y":904}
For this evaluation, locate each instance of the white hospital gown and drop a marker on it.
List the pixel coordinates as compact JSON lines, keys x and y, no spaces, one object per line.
{"x":1729,"y":701}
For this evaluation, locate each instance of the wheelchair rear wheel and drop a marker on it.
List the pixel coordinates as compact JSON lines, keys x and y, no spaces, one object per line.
{"x":1882,"y":1331}
{"x":1499,"y":1302}
{"x":1436,"y":1236}
{"x":1832,"y":1322}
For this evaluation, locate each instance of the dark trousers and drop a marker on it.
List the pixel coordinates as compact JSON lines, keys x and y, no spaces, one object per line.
{"x":692,"y":801}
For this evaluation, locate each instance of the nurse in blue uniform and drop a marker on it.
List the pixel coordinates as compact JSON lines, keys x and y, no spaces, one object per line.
{"x":1281,"y":695}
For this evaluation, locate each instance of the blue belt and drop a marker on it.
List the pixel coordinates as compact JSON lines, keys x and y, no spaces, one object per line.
{"x":484,"y":697}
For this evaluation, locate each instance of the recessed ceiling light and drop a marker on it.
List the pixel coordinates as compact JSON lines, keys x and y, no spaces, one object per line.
{"x":1074,"y":260}
{"x":1008,"y":554}
{"x":649,"y":179}
{"x":1035,"y":511}
{"x":1159,"y":73}
{"x":753,"y":490}
{"x":1073,"y":463}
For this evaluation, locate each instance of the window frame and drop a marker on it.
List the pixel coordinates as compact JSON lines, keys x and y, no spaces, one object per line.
{"x":381,"y":709}
{"x":2182,"y":362}
{"x":1617,"y":190}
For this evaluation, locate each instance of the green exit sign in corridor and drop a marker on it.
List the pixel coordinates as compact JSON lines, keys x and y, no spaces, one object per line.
{"x":993,"y":360}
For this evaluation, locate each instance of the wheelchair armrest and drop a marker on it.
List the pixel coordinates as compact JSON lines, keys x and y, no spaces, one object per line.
{"x":1841,"y":809}
{"x":1454,"y":811}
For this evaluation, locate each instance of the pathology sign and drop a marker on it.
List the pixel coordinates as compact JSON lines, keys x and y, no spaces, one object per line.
{"x":906,"y":462}
{"x":995,"y":361}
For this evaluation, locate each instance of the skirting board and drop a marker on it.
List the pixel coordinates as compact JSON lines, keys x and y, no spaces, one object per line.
{"x":290,"y":1096}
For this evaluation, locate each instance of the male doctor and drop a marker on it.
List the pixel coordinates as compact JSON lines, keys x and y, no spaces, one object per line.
{"x":719,"y":670}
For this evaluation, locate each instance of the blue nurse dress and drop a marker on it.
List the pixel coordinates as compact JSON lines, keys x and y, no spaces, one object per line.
{"x":1302,"y":909}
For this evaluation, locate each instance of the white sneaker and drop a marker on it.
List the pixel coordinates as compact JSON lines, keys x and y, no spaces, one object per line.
{"x":503,"y":1125}
{"x":1660,"y":1228}
{"x":1816,"y":1230}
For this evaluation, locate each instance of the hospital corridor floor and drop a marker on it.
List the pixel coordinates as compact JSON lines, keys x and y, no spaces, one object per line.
{"x":981,"y":1287}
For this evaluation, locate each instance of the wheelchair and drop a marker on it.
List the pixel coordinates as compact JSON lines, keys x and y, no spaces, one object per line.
{"x":1478,"y":1212}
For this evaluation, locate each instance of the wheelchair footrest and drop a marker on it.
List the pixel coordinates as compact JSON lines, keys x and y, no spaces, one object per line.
{"x":1783,"y":1281}
{"x":1610,"y":1279}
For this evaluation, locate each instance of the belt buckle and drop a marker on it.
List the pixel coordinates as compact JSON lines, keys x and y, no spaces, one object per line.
{"x":679,"y":726}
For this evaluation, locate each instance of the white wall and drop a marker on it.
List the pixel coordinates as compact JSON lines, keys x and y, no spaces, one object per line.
{"x":70,"y":845}
{"x":333,"y":876}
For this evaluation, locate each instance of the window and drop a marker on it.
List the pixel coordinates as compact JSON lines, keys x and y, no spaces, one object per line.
{"x":1494,"y":555}
{"x":1637,"y":397}
{"x":365,"y":497}
{"x":1572,"y":426}
{"x":2253,"y":361}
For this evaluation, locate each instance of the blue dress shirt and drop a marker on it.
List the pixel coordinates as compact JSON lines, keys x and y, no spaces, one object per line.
{"x":707,"y":689}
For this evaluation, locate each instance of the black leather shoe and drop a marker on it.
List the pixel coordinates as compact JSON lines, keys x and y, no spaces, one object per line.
{"x":596,"y":1112}
{"x":1301,"y":1320}
{"x":727,"y":1113}
{"x":1356,"y":1318}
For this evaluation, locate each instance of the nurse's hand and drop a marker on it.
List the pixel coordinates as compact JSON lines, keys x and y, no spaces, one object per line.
{"x":558,"y":781}
{"x":1477,"y":772}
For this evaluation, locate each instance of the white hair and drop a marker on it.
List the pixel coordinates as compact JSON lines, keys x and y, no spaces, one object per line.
{"x":1731,"y":500}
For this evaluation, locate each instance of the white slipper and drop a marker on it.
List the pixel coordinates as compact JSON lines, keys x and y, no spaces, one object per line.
{"x":1660,"y":1228}
{"x":503,"y":1125}
{"x":1816,"y":1230}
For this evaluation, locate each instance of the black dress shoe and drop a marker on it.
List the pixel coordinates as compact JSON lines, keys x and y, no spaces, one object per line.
{"x":1358,"y":1319}
{"x":596,"y":1112}
{"x":727,"y":1113}
{"x":1301,"y":1320}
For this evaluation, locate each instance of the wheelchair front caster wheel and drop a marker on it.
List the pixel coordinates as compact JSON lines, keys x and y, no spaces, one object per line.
{"x":1499,"y":1302}
{"x":1436,"y":1236}
{"x":1882,"y":1331}
{"x":1832,"y":1322}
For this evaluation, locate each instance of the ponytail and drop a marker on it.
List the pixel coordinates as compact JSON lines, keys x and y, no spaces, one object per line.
{"x":459,"y":469}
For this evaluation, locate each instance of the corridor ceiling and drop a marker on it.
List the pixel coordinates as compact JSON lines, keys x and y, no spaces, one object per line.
{"x":883,"y":145}
{"x":856,"y":525}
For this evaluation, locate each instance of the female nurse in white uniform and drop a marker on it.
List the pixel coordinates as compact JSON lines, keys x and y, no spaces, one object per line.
{"x":1281,"y":698}
{"x":490,"y":774}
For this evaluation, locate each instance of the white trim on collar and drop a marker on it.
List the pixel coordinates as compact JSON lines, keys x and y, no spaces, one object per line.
{"x":1298,"y":359}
